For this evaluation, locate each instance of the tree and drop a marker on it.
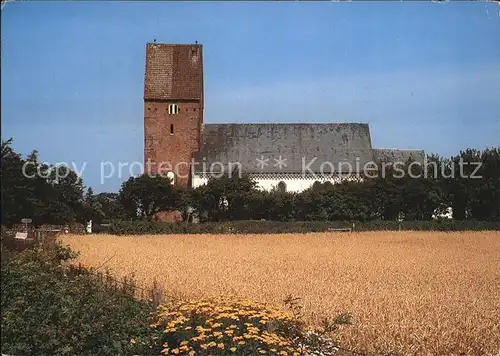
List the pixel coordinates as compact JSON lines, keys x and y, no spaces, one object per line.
{"x":69,"y":188}
{"x":184,"y":202}
{"x":110,"y":205}
{"x":276,"y":205}
{"x":13,"y":186}
{"x":411,"y":194}
{"x":315,"y":203}
{"x":226,"y":198}
{"x":145,"y":196}
{"x":92,"y":207}
{"x":472,"y":184}
{"x":45,"y":193}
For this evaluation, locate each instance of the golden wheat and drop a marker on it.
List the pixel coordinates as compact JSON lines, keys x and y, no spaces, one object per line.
{"x":409,"y":292}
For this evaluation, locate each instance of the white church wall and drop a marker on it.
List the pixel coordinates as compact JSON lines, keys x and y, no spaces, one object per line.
{"x":198,"y":181}
{"x":293,"y":184}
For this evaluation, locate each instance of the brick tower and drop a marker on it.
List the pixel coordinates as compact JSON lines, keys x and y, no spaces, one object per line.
{"x":173,"y":108}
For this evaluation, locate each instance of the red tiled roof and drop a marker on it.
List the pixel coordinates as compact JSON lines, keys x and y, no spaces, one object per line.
{"x":173,"y":71}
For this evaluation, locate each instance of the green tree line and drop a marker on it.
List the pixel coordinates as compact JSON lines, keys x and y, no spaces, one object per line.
{"x":56,"y":194}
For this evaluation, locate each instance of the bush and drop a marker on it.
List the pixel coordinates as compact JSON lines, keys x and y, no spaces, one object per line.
{"x":50,"y":307}
{"x":276,"y":227}
{"x":224,"y":326}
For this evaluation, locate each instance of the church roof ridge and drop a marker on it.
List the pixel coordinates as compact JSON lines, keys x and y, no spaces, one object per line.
{"x":284,"y":123}
{"x":398,"y":149}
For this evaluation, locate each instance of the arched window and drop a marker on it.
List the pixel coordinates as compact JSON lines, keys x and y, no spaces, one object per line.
{"x":173,"y":109}
{"x":282,"y":187}
{"x":171,"y":129}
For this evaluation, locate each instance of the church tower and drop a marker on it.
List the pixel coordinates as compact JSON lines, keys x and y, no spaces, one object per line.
{"x":173,"y":109}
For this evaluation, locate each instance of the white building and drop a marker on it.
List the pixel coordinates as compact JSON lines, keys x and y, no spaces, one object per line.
{"x":290,"y":157}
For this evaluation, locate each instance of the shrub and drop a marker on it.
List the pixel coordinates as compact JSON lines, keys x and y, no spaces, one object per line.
{"x":225,"y":326}
{"x":277,"y":227}
{"x":50,"y":307}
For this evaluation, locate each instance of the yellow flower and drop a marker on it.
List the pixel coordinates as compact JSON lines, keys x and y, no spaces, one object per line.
{"x":242,"y":342}
{"x":132,"y":341}
{"x":175,"y":351}
{"x":233,"y":349}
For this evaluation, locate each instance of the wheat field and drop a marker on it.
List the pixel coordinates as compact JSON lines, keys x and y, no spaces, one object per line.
{"x":410,"y":293}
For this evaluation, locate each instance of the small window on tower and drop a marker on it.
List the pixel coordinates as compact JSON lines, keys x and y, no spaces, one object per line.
{"x":171,"y":129}
{"x":173,"y":109}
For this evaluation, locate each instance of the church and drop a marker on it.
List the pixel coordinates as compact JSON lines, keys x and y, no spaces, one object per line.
{"x":285,"y":156}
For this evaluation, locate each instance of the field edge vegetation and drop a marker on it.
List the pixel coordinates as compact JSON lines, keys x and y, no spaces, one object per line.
{"x":408,"y":292}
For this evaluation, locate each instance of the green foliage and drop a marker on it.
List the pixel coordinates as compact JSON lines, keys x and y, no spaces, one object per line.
{"x":225,"y":198}
{"x":477,"y":198}
{"x":50,"y":307}
{"x":47,"y":199}
{"x":275,"y":205}
{"x":47,"y":194}
{"x":146,"y":195}
{"x":229,"y":199}
{"x":405,"y":192}
{"x":405,"y":197}
{"x":277,"y":227}
{"x":92,"y":207}
{"x":109,"y":206}
{"x":184,"y":202}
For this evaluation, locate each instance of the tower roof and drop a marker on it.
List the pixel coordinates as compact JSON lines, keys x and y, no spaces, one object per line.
{"x":173,"y":71}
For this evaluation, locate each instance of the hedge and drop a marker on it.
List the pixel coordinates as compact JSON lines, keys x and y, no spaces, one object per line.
{"x":51,"y":306}
{"x":140,"y":227}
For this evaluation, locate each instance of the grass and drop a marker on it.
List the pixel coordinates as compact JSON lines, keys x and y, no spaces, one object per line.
{"x":409,"y":292}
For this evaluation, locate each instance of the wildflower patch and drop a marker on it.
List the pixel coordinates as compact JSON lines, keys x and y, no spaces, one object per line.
{"x":228,"y":326}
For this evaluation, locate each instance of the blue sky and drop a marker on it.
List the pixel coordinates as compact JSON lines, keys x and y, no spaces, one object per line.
{"x":423,"y":75}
